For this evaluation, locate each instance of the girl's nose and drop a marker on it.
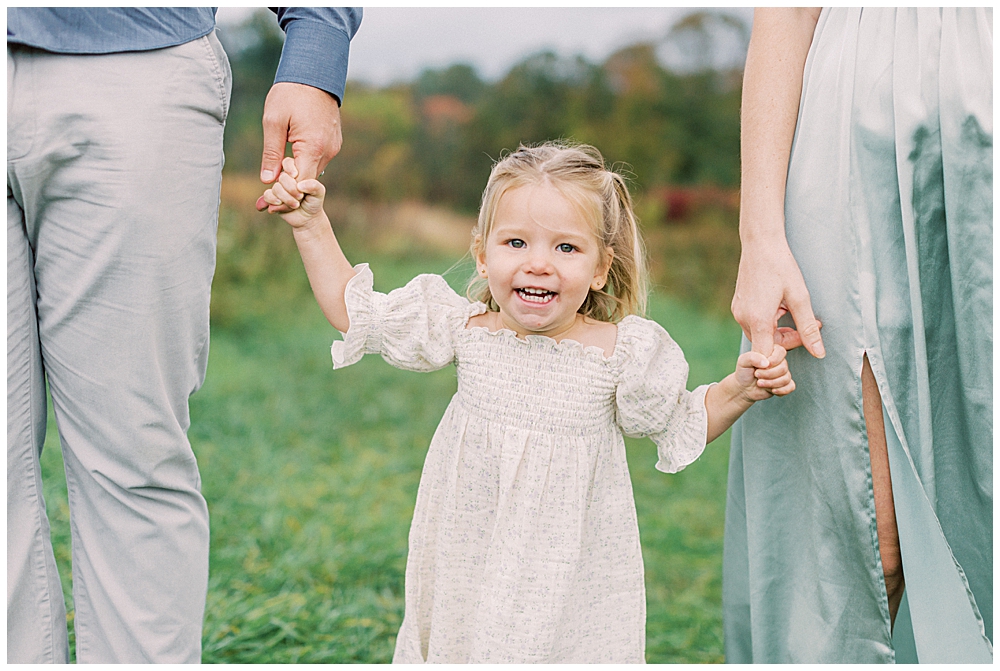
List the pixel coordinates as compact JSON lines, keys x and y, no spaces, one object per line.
{"x":539,"y":262}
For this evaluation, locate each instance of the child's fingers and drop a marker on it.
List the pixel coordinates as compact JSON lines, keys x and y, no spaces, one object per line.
{"x":753,"y":360}
{"x":290,"y":185}
{"x":284,"y":198}
{"x":268,"y":198}
{"x":271,"y":202}
{"x":288,"y":166}
{"x":785,"y":389}
{"x":772,"y":373}
{"x":312,"y":187}
{"x":776,"y":359}
{"x":777,"y":355}
{"x":776,"y":382}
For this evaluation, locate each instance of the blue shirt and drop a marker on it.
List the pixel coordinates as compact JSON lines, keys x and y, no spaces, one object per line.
{"x":317,"y":39}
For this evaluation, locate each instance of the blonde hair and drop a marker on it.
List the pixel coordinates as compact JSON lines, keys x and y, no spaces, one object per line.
{"x":578,"y":171}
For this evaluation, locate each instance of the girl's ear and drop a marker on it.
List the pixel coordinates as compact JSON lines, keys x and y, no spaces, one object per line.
{"x":480,"y":253}
{"x":601,"y":275}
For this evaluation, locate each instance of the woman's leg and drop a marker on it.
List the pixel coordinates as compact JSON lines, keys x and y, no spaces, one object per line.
{"x":885,"y":509}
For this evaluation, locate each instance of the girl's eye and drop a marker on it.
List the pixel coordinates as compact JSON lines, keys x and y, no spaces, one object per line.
{"x":516,"y":243}
{"x":566,"y":248}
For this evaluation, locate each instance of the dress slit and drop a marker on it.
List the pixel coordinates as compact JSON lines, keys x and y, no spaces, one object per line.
{"x":883,"y":393}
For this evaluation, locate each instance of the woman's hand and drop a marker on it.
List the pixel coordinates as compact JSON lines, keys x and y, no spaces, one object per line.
{"x":768,"y":285}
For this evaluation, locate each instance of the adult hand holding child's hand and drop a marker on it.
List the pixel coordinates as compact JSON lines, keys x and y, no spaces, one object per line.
{"x":761,"y":377}
{"x":768,"y":286}
{"x":298,"y":203}
{"x":306,"y":117}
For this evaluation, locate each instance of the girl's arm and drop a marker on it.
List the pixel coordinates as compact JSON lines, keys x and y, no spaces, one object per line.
{"x":328,"y":269}
{"x":769,"y":281}
{"x":757,"y":377}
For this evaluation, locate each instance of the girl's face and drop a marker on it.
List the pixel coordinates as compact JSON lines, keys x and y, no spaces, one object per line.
{"x":541,"y":259}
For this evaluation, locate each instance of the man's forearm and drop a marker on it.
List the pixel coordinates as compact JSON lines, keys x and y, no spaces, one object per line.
{"x":317,"y":45}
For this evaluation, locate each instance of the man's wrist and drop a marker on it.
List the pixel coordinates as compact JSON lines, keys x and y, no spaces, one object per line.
{"x":315,"y":54}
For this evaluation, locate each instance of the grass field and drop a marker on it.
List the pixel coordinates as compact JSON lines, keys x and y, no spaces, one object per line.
{"x":311,"y":477}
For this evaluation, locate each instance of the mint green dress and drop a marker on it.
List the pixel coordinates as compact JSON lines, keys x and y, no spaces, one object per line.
{"x":889,"y":213}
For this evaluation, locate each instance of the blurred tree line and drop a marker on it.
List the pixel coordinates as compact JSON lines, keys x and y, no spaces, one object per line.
{"x":435,"y":139}
{"x":673,"y":131}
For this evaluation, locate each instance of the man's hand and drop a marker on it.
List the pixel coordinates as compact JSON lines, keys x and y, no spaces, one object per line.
{"x":307,"y":117}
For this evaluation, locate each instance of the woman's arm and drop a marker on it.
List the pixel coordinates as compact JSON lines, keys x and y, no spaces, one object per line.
{"x":769,"y":281}
{"x":328,"y":269}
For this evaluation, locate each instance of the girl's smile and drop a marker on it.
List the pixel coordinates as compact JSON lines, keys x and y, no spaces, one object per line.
{"x":533,"y":295}
{"x":541,"y":260}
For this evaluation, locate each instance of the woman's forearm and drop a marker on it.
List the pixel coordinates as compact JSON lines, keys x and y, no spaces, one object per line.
{"x":772,"y":85}
{"x":769,"y":280}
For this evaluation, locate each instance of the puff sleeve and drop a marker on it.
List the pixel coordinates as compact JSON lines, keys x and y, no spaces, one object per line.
{"x":411,"y":327}
{"x":652,"y":397}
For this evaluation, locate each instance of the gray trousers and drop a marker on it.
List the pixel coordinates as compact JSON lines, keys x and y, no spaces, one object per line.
{"x":113,"y":170}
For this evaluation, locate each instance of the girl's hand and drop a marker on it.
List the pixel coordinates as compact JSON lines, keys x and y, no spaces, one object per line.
{"x":303,"y":200}
{"x":757,"y":378}
{"x":761,"y":377}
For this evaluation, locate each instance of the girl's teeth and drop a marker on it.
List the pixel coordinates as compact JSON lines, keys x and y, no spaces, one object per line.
{"x":535,"y":295}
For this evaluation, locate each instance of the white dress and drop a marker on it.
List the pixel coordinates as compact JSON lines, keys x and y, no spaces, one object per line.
{"x":524,"y":545}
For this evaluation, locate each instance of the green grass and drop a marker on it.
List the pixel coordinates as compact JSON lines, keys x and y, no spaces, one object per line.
{"x":311,"y":478}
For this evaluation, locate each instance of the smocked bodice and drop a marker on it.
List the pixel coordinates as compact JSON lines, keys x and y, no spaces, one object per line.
{"x":536,"y":383}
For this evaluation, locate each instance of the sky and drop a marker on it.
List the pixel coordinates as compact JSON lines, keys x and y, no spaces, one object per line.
{"x":397,"y":43}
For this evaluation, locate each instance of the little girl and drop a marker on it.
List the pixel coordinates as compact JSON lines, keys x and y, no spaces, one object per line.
{"x":524,"y":545}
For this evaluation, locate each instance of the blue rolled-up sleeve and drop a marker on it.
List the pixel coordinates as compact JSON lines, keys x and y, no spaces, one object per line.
{"x":317,"y":45}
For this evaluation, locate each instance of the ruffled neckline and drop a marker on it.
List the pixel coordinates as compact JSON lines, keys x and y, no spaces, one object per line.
{"x":563,"y":346}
